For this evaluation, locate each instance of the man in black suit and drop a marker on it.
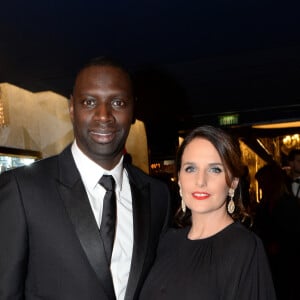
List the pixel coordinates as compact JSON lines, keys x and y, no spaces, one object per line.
{"x":294,"y":163}
{"x":50,"y":212}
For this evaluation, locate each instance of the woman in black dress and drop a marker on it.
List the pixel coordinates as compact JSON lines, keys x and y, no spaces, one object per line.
{"x":211,"y":255}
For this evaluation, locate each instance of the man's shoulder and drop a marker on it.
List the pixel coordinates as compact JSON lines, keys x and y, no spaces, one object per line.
{"x":45,"y":165}
{"x":135,"y":172}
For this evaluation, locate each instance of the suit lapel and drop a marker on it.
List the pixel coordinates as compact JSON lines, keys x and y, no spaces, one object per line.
{"x":141,"y":223}
{"x":78,"y":207}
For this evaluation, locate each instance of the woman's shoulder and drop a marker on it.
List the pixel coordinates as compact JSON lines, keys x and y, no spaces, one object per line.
{"x":233,"y":233}
{"x":174,"y":234}
{"x":235,"y":236}
{"x":240,"y":237}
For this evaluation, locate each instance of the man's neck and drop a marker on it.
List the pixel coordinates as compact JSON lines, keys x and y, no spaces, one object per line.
{"x":295,"y":175}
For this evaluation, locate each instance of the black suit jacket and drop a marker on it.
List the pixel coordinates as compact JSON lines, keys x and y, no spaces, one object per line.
{"x":50,"y":246}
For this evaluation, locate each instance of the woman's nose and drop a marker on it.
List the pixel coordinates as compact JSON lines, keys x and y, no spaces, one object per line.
{"x":201,"y":179}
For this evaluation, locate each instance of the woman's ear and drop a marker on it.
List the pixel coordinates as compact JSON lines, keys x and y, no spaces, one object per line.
{"x":234,"y":183}
{"x":179,"y":186}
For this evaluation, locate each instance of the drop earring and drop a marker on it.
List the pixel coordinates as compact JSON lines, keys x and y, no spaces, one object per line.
{"x":183,"y":206}
{"x":231,"y":205}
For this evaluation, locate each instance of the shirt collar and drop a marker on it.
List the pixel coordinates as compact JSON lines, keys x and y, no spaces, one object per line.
{"x":92,"y":172}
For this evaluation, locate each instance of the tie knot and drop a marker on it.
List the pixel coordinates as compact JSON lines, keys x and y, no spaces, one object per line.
{"x":108,"y":182}
{"x":297,"y":180}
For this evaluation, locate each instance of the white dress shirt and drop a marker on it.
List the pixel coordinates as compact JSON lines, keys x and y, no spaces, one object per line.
{"x":296,"y":187}
{"x":122,"y":250}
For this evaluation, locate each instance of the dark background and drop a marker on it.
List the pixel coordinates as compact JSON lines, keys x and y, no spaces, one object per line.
{"x":191,"y":59}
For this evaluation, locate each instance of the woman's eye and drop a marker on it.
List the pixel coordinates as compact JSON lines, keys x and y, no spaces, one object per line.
{"x":215,"y":170}
{"x":189,"y":169}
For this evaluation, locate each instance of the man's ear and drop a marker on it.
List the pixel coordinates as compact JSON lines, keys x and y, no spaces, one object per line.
{"x":71,"y":108}
{"x":134,"y":110}
{"x":133,"y":119}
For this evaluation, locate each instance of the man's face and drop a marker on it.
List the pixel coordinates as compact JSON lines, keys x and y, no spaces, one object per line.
{"x":295,"y":166}
{"x":101,"y":110}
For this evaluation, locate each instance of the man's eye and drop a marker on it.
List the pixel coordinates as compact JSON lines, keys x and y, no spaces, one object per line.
{"x":89,"y":102}
{"x":118,"y":103}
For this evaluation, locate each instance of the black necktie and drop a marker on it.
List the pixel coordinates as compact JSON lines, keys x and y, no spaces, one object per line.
{"x":108,"y":222}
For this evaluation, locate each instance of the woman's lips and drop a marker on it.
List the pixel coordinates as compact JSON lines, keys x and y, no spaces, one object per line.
{"x":200,"y":195}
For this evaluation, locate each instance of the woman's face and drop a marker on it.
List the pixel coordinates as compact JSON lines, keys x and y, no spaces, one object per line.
{"x":202,"y":178}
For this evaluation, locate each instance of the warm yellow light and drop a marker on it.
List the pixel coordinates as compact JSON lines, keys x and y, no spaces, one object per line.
{"x":291,"y":141}
{"x":278,"y":125}
{"x":2,"y":117}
